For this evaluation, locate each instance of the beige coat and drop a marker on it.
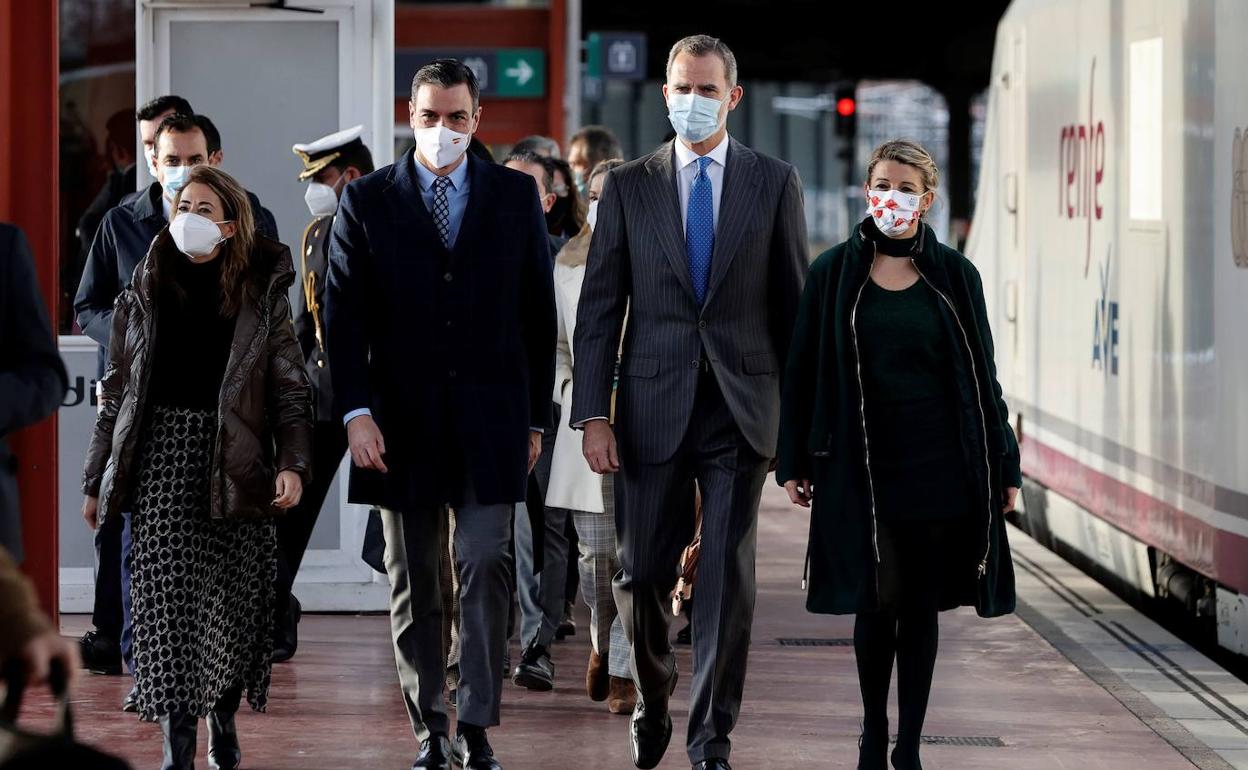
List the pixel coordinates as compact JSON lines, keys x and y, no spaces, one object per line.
{"x":572,"y":484}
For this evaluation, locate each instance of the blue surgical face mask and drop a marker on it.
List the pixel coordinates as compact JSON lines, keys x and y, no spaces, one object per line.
{"x":175,"y":180}
{"x":694,"y":118}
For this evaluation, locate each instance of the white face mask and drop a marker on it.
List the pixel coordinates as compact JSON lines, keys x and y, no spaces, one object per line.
{"x":694,"y":118}
{"x":150,"y":154}
{"x":440,"y":145}
{"x":592,"y":216}
{"x":175,"y":180}
{"x":195,"y":236}
{"x":894,"y":211}
{"x":322,"y":199}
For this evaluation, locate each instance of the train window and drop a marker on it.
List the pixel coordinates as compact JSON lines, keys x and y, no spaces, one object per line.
{"x":1145,"y":128}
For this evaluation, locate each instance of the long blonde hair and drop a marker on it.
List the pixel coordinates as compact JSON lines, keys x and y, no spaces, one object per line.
{"x":236,"y":252}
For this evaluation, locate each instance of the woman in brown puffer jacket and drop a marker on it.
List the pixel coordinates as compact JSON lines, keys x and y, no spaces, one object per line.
{"x":205,"y":435}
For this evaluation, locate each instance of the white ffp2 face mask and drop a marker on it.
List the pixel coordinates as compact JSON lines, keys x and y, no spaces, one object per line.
{"x":893,"y":211}
{"x":440,"y":145}
{"x":592,"y":216}
{"x":322,"y":199}
{"x":194,"y":235}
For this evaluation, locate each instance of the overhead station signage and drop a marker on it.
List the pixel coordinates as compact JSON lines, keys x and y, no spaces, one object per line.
{"x":612,"y":56}
{"x":515,"y":73}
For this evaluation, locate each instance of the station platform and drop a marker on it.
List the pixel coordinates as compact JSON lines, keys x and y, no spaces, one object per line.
{"x":1075,"y":680}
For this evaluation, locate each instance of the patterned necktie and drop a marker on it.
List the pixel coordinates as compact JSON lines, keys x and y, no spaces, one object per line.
{"x":442,"y":209}
{"x":700,"y":230}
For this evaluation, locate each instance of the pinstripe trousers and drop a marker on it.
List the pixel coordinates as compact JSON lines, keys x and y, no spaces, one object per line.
{"x":598,"y":563}
{"x":655,"y":521}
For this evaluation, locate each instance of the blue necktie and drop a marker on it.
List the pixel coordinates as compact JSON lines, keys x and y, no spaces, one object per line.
{"x":700,"y":230}
{"x":442,"y":209}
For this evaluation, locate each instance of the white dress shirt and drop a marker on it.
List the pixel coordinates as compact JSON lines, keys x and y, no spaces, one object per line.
{"x":687,"y":171}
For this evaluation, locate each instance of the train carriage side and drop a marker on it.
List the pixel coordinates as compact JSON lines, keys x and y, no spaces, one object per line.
{"x":1111,"y":229}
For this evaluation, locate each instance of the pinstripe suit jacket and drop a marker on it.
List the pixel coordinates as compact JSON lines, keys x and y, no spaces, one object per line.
{"x":637,"y":263}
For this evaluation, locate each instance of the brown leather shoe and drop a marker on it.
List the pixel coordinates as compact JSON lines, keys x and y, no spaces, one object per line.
{"x":596,"y":685}
{"x":623,"y":696}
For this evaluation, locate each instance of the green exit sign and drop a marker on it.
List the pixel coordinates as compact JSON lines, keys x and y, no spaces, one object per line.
{"x":520,"y":72}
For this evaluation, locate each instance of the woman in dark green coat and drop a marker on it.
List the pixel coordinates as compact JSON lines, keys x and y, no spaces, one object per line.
{"x":893,"y":426}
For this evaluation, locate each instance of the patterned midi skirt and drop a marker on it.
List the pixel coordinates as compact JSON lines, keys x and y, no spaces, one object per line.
{"x":201,"y":588}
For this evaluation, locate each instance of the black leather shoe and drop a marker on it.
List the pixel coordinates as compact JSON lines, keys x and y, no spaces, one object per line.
{"x":100,"y":654}
{"x":475,"y":752}
{"x":130,"y":704}
{"x":567,"y":624}
{"x":649,"y":732}
{"x":179,"y":732}
{"x":536,"y":671}
{"x":435,"y":753}
{"x":286,"y":634}
{"x":714,"y":763}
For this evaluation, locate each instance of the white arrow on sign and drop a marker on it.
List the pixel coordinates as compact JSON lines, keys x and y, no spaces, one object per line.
{"x":522,"y":72}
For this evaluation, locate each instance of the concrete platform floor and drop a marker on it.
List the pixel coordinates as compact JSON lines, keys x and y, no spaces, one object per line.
{"x":337,"y":705}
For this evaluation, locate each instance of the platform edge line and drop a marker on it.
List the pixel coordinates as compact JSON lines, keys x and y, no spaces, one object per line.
{"x":1150,"y":715}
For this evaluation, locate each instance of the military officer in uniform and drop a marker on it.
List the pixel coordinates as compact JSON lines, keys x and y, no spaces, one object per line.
{"x":329,"y":165}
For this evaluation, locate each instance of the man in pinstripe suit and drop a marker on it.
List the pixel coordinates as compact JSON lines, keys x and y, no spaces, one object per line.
{"x":703,"y":243}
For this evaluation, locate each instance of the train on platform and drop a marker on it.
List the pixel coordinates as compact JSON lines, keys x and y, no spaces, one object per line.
{"x":1111,"y":230}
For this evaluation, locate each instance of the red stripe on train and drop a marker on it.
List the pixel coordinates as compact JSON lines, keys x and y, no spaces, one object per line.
{"x":1220,"y":555}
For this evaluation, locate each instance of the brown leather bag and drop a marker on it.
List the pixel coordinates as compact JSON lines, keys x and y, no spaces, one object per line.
{"x":689,"y":562}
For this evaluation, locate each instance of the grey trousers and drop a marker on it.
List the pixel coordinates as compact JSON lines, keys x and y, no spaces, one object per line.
{"x":598,"y":564}
{"x":655,"y":521}
{"x":483,"y":559}
{"x":541,"y":596}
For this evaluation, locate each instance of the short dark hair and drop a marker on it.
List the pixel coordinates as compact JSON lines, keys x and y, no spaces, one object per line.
{"x":354,"y":155}
{"x":162,"y":104}
{"x":705,"y":45}
{"x":179,"y":123}
{"x":447,"y":73}
{"x":600,"y":144}
{"x":548,"y":167}
{"x":542,"y":145}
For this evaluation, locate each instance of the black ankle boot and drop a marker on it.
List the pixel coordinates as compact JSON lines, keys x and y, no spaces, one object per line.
{"x":223,"y":749}
{"x":179,"y":731}
{"x":873,"y":746}
{"x":906,"y":757}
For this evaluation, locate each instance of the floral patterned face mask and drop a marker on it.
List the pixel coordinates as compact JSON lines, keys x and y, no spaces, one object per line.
{"x":894,"y":211}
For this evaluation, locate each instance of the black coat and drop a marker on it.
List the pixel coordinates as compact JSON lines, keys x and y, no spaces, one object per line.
{"x":117,"y":187}
{"x":822,"y":432}
{"x":122,"y":240}
{"x":32,"y":375}
{"x":453,"y":351}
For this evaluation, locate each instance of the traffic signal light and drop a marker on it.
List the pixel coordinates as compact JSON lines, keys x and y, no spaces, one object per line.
{"x":846,"y":112}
